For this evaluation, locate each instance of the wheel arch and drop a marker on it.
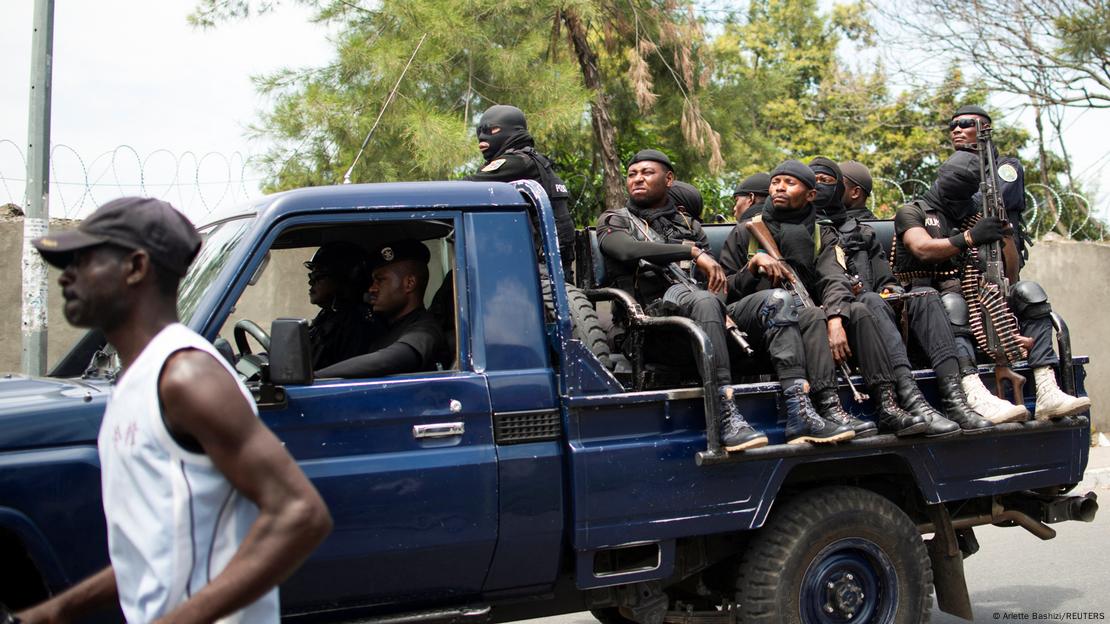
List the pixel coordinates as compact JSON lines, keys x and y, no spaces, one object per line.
{"x":32,"y":570}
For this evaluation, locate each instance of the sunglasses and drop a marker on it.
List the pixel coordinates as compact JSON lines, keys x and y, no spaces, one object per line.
{"x":316,"y":276}
{"x":961,"y":123}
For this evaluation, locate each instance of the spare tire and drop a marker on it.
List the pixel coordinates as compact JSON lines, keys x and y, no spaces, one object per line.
{"x":585,"y":325}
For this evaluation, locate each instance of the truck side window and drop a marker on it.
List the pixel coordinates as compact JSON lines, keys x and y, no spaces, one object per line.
{"x":314,"y":272}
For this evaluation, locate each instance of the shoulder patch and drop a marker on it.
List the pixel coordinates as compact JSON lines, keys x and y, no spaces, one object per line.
{"x":1008,"y":173}
{"x":494,"y":165}
{"x":841,"y":258}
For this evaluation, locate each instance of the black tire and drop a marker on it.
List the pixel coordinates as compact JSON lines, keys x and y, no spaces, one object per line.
{"x":853,"y":539}
{"x":585,"y":325}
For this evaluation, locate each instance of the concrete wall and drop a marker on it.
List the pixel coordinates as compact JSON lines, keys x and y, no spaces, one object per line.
{"x":1074,"y":274}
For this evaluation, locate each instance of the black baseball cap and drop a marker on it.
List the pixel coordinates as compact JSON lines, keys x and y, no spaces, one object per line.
{"x":396,"y":251}
{"x":132,"y":223}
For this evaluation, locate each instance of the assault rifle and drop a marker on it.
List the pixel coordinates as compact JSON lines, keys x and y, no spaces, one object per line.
{"x":675,"y":275}
{"x":795,"y":287}
{"x":993,"y":288}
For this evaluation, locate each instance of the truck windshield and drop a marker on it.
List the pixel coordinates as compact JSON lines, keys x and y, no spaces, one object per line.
{"x":220,"y":242}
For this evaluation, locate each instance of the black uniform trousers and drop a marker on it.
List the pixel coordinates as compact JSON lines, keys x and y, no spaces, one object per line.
{"x":708,"y":312}
{"x":798,"y":349}
{"x":866,"y":342}
{"x":771,"y":323}
{"x":1039,"y":329}
{"x":927,"y":320}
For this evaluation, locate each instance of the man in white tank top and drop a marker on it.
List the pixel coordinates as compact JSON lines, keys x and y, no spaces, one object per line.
{"x":206,"y":510}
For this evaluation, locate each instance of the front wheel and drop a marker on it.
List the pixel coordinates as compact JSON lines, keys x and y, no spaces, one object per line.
{"x":836,"y":555}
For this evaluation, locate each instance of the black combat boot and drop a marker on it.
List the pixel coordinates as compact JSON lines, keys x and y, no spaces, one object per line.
{"x":736,"y":433}
{"x":804,"y":424}
{"x":891,"y":416}
{"x":954,"y":404}
{"x":911,"y":400}
{"x":827,"y":404}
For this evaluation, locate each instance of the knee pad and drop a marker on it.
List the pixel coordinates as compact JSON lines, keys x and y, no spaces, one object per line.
{"x":778,"y":310}
{"x":958,"y":314}
{"x":1029,"y":300}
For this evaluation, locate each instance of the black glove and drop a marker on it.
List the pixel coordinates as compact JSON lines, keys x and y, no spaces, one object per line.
{"x":990,"y":230}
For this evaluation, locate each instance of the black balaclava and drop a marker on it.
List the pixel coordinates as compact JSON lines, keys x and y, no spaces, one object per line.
{"x":687,"y":196}
{"x":513,"y":134}
{"x":957,"y":180}
{"x":830,"y":197}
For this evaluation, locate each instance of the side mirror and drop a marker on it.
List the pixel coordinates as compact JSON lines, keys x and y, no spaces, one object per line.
{"x":290,"y":352}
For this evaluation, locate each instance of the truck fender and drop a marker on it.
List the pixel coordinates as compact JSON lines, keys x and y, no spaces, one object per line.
{"x":38,"y":548}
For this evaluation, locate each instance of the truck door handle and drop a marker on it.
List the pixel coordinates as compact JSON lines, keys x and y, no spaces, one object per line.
{"x":438,"y":430}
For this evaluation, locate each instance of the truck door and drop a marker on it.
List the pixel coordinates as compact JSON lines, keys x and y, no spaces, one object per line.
{"x":405,"y":462}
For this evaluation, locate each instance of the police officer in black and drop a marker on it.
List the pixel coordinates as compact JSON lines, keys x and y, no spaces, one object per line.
{"x":338,"y":276}
{"x":510,"y":155}
{"x":857,"y":188}
{"x":933,"y":238}
{"x":1009,"y":174}
{"x":650,"y":227}
{"x":750,"y":195}
{"x":810,"y":250}
{"x":872,"y":281}
{"x":411,"y":339}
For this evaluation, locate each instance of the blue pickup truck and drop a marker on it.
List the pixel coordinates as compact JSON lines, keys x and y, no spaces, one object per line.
{"x":535,"y":472}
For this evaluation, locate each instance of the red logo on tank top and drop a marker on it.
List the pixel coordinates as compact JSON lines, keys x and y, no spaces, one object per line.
{"x":125,"y":436}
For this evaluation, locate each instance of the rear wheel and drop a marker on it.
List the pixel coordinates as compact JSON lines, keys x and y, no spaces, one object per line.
{"x":836,"y":555}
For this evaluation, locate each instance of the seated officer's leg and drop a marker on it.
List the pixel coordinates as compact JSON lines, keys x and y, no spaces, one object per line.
{"x":932,"y":329}
{"x":867,"y":347}
{"x":907,"y":393}
{"x":770,"y":318}
{"x":708,"y":312}
{"x":972,"y":393}
{"x":821,"y":373}
{"x":887,"y":325}
{"x":1030,"y":303}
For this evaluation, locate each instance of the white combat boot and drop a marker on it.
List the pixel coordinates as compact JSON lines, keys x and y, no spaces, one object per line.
{"x":1052,"y":402}
{"x":992,"y":408}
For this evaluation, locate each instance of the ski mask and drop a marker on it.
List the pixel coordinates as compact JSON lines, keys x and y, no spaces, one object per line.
{"x":829,"y":202}
{"x":513,"y":133}
{"x":957,"y":180}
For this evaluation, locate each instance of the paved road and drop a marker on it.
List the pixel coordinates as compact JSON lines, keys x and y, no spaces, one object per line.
{"x":1016,"y":573}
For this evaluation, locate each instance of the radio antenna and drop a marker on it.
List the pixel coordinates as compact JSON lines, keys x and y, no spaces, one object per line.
{"x":366,"y":141}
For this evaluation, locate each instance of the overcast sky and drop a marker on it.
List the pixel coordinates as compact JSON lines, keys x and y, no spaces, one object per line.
{"x":134,"y":73}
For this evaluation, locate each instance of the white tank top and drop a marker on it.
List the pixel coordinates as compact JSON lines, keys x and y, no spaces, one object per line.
{"x":174,"y":520}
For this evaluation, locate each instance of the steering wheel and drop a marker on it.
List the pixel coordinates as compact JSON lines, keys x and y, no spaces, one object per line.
{"x":247,"y":326}
{"x":250,"y":364}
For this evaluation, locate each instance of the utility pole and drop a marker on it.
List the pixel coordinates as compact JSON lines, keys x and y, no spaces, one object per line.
{"x":36,"y":205}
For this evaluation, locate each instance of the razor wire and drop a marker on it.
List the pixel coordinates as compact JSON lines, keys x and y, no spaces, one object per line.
{"x":197,"y":184}
{"x":1062,"y":213}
